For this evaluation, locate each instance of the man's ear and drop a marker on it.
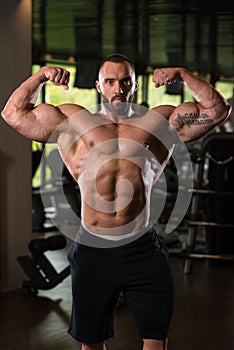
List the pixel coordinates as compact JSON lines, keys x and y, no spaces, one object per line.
{"x":98,"y":86}
{"x":136,"y":85}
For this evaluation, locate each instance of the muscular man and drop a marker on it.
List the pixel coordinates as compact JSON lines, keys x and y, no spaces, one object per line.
{"x":116,"y":154}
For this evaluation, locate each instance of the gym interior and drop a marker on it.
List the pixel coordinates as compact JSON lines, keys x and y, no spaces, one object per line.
{"x":40,"y":201}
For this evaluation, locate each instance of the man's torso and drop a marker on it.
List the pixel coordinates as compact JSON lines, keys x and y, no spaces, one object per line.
{"x":115,"y":165}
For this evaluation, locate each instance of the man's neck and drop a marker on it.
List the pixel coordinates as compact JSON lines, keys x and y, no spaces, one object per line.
{"x":115,"y":114}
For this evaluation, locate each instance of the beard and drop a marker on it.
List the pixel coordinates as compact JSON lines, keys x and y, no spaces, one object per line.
{"x":121,"y":108}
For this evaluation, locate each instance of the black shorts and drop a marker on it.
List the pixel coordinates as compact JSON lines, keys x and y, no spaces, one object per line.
{"x":139,"y":269}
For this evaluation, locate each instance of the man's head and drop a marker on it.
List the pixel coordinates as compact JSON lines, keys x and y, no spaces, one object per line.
{"x":117,"y":58}
{"x":116,"y":80}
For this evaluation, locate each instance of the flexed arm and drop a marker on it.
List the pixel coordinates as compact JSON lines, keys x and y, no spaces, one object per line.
{"x":193,"y":120}
{"x":36,"y":123}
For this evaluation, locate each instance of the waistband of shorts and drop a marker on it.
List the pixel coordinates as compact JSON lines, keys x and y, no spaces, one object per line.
{"x":89,"y":239}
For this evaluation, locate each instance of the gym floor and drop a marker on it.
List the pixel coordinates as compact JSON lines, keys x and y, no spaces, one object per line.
{"x":203,"y":315}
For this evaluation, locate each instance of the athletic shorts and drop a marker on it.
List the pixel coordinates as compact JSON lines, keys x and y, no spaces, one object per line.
{"x":139,"y":270}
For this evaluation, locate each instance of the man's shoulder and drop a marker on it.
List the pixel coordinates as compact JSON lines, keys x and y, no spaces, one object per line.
{"x":164,"y":110}
{"x":69,"y":109}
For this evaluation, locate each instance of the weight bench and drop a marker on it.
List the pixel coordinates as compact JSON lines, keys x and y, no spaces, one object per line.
{"x":41,"y":273}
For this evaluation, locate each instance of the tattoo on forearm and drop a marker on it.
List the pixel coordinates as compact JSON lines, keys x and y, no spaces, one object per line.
{"x":193,"y":119}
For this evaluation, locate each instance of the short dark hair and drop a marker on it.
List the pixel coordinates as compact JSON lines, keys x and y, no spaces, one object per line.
{"x":117,"y":58}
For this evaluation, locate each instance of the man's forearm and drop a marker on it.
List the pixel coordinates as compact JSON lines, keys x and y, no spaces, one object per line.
{"x":23,"y":98}
{"x":204,"y":93}
{"x":26,"y":95}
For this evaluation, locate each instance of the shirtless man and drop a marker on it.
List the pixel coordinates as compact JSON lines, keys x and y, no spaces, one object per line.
{"x":116,"y":155}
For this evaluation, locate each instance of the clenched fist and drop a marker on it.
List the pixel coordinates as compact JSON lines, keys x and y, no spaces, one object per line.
{"x":57,"y":76}
{"x":165,"y":76}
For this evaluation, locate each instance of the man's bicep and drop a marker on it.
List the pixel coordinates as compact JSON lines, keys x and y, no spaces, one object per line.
{"x":191,"y":122}
{"x":40,"y":123}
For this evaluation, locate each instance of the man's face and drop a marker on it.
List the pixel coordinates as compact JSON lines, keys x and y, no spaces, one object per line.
{"x":116,"y":84}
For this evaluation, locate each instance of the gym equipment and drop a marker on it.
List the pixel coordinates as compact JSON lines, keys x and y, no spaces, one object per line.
{"x":38,"y":268}
{"x":212,"y":200}
{"x":57,"y":200}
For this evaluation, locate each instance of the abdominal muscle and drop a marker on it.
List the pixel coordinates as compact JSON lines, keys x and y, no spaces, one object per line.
{"x":115,"y":198}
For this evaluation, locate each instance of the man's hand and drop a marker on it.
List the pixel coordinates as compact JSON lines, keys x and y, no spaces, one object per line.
{"x":165,"y":76}
{"x":57,"y":76}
